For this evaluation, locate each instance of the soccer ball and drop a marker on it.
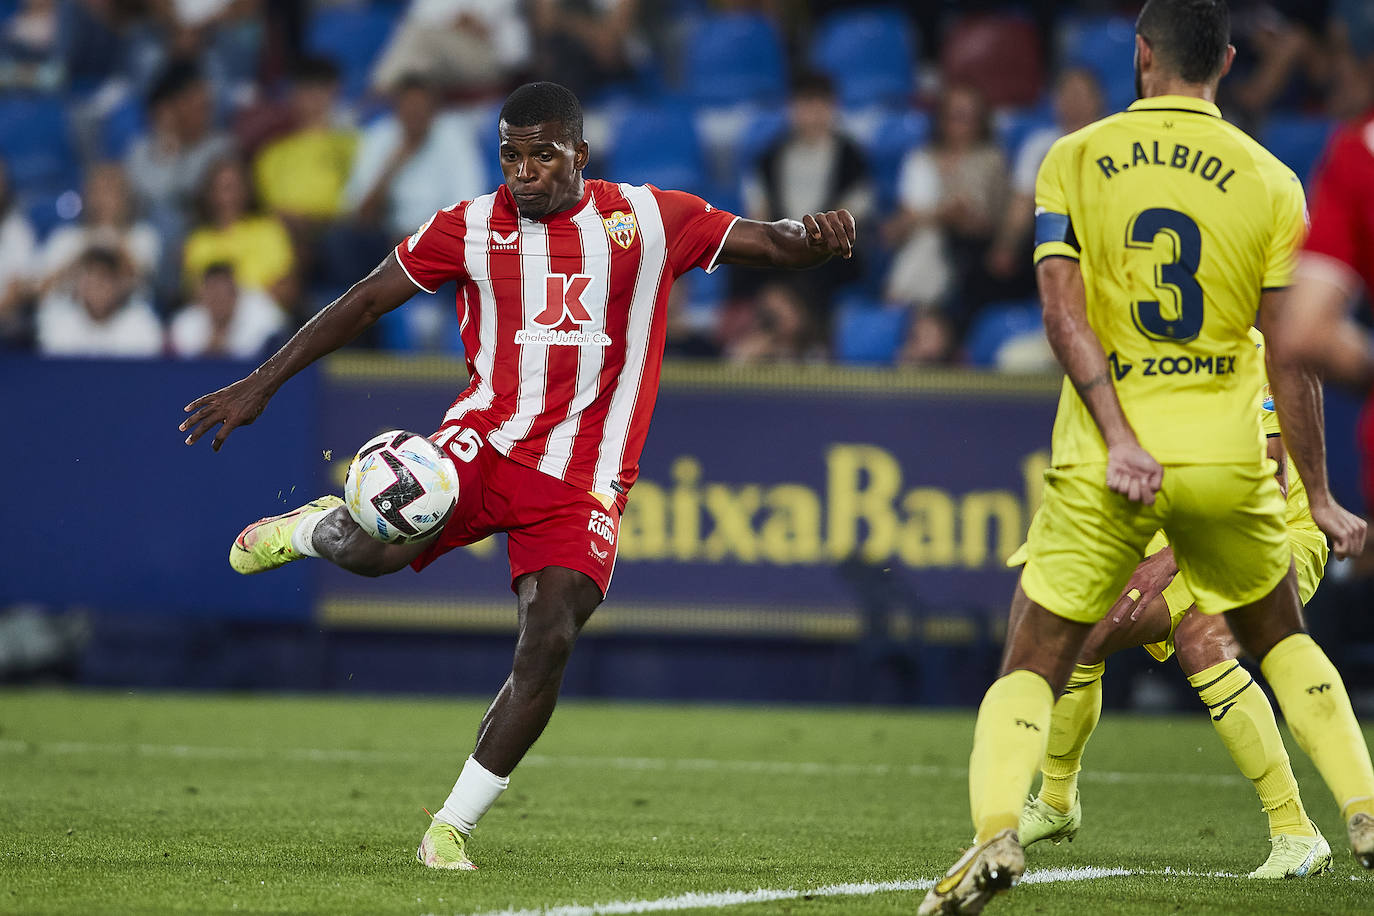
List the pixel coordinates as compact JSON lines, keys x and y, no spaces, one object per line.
{"x":400,"y":487}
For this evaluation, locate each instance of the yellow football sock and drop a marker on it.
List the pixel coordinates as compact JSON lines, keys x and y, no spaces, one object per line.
{"x":1075,"y":716}
{"x":1245,"y":722}
{"x":1008,"y":742}
{"x":1313,"y":699}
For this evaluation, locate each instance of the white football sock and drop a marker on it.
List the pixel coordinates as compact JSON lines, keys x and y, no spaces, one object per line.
{"x":475,"y":791}
{"x":303,"y":538}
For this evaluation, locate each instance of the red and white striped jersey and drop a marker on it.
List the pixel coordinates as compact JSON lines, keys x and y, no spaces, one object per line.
{"x":563,"y":319}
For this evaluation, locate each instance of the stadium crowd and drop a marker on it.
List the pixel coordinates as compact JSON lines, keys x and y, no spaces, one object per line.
{"x":197,"y":177}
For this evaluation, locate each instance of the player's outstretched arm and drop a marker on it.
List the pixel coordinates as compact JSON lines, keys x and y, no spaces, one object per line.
{"x":1298,"y":399}
{"x":239,"y":404}
{"x":1131,"y":471}
{"x":790,"y":243}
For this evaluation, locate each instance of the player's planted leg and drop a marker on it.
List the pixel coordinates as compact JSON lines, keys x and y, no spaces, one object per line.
{"x":1315,"y":703}
{"x":555,"y":603}
{"x":1008,"y":743}
{"x":1244,"y":721}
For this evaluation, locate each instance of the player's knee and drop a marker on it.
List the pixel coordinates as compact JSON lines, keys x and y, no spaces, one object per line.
{"x":350,"y":547}
{"x":1202,"y":641}
{"x":542,"y":655}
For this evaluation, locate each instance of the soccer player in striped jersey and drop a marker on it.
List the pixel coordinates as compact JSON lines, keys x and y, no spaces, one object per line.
{"x":562,"y":287}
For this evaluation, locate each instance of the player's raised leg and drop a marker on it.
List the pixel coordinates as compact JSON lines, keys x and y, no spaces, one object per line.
{"x":554,"y":604}
{"x":1244,"y":721}
{"x":1315,"y":703}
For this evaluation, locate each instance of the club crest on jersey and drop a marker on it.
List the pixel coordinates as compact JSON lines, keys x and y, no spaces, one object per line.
{"x":621,"y":227}
{"x":415,"y":239}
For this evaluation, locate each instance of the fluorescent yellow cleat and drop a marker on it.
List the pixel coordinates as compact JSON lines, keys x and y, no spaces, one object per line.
{"x":266,"y":544}
{"x":1361,"y":829}
{"x":444,"y":846}
{"x":1042,"y":821}
{"x":984,"y":872}
{"x":1295,"y":857}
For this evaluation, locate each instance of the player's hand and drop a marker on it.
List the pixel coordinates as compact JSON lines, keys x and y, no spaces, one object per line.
{"x":1147,"y":583}
{"x":236,"y":405}
{"x":1345,"y":529}
{"x":1134,"y":473}
{"x":832,"y":232}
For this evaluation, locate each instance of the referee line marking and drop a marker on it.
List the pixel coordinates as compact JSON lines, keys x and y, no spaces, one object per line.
{"x":660,"y":764}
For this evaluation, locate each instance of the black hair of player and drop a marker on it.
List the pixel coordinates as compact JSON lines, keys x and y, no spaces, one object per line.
{"x":102,"y":258}
{"x":536,"y":103}
{"x":223,"y":269}
{"x":1189,"y":36}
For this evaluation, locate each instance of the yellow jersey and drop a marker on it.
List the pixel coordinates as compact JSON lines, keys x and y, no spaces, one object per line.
{"x":1178,"y":221}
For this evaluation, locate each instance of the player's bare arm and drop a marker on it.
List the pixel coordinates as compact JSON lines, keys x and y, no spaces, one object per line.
{"x":790,"y":243}
{"x":1131,"y":471}
{"x":1298,"y":399}
{"x":239,"y":404}
{"x":1317,"y":325}
{"x":1275,"y":451}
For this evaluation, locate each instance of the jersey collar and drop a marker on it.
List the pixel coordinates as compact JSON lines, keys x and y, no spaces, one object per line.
{"x":1176,"y":103}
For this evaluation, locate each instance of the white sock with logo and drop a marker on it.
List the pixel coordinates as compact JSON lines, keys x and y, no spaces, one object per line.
{"x":303,"y":538}
{"x":476,"y":790}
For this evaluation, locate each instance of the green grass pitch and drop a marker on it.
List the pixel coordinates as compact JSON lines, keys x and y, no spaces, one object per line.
{"x":114,"y":802}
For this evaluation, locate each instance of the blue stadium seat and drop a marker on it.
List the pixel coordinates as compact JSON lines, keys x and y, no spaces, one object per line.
{"x":869,"y":53}
{"x":121,"y":126}
{"x":658,"y":144}
{"x":763,"y":130}
{"x":1015,"y":126}
{"x":36,"y":142}
{"x":868,"y":332}
{"x":735,"y":57}
{"x":352,"y":37}
{"x":1297,"y":140}
{"x":1106,"y":46}
{"x":997,"y":324}
{"x":47,"y":210}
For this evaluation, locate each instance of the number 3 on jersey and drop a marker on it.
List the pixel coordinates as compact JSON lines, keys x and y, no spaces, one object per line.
{"x":1178,"y":276}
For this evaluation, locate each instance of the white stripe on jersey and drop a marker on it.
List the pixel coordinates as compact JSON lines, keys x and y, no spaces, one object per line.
{"x":653,"y":256}
{"x":534,"y":360}
{"x":477,"y":229}
{"x":596,"y":262}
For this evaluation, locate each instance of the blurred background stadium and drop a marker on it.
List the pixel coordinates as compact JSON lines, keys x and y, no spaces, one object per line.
{"x":840,"y":461}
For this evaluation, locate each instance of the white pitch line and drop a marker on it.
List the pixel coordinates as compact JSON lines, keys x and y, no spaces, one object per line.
{"x":714,"y":900}
{"x":654,"y":764}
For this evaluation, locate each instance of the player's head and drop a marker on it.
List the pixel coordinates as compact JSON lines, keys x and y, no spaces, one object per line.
{"x":542,"y":151}
{"x":1182,"y":41}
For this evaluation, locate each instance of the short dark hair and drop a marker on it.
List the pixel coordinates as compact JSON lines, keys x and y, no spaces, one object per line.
{"x":536,"y":103}
{"x":314,"y":71}
{"x":172,"y":80}
{"x":1189,"y":35}
{"x":223,"y":269}
{"x":105,"y":258}
{"x":812,"y":84}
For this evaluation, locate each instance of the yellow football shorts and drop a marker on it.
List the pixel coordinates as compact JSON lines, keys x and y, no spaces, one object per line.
{"x":1224,"y":521}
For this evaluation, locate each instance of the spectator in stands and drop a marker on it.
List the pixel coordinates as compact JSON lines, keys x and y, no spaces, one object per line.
{"x":107,"y":221}
{"x":1285,"y":57}
{"x":816,"y":167}
{"x":776,"y":332}
{"x":18,"y":249}
{"x":413,"y":162}
{"x":1078,"y":102}
{"x":167,"y":166}
{"x":469,"y":46}
{"x":226,"y":320}
{"x":301,"y":176}
{"x":232,"y":230}
{"x":950,"y":197}
{"x":100,"y":316}
{"x":587,"y":44}
{"x":30,"y":53}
